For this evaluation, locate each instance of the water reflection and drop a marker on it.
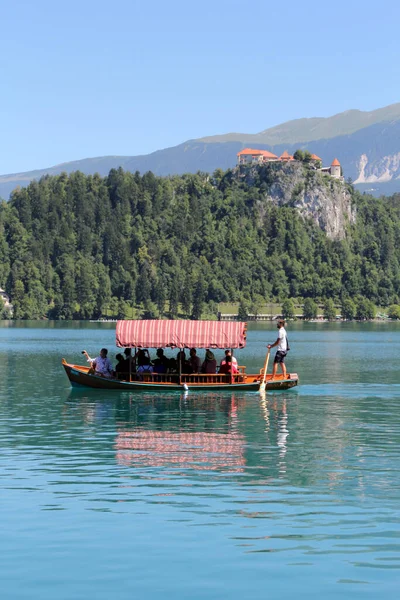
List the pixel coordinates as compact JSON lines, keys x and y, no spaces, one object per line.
{"x":203,"y":435}
{"x":199,"y":432}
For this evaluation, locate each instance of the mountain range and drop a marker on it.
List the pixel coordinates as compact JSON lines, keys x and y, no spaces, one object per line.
{"x":367,"y":143}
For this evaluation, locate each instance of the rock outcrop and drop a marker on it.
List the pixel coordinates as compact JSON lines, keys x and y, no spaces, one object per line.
{"x":327,"y":201}
{"x":378,"y":170}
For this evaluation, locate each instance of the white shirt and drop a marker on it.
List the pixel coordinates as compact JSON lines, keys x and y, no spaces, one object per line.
{"x":103,"y":366}
{"x":282,"y":346}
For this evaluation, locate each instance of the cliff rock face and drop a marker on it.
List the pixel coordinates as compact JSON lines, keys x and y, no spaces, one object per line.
{"x":320,"y":197}
{"x":378,"y":170}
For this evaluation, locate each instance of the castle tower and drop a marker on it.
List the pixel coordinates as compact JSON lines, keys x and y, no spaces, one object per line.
{"x":336,"y":169}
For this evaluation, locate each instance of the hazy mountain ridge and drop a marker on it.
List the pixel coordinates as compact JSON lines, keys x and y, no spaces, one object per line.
{"x":369,"y":155}
{"x":315,"y":128}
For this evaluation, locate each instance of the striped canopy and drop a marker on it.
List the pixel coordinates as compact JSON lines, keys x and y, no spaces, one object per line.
{"x":181,"y":334}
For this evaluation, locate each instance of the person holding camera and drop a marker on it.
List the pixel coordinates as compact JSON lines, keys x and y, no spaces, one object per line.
{"x":101,"y":365}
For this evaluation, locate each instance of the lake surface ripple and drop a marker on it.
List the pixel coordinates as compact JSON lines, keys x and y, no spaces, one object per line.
{"x":117,"y":495}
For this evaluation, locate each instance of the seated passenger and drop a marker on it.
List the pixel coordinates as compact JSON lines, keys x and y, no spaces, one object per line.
{"x":172,"y":365}
{"x":143,"y":358}
{"x":102,"y":365}
{"x":194,"y":361}
{"x":182,"y":363}
{"x":130,"y":359}
{"x":143,"y":361}
{"x":210,"y":364}
{"x":122,"y":367}
{"x":161,"y":363}
{"x":233,"y":359}
{"x":227,"y":366}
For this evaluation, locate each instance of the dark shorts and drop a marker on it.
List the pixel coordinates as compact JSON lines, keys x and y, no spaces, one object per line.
{"x":280,"y":357}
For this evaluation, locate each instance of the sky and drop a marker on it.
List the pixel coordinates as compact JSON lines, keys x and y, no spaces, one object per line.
{"x":80,"y":79}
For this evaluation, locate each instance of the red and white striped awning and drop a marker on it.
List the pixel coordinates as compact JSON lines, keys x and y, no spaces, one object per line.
{"x":181,"y":334}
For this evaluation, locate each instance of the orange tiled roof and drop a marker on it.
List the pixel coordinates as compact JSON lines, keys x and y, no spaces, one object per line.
{"x":269,"y":154}
{"x":256,"y":153}
{"x":335,"y":163}
{"x":286,"y":156}
{"x":315,"y":157}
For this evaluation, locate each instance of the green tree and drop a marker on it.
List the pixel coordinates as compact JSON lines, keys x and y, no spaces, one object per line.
{"x":348,"y":309}
{"x":299,"y":155}
{"x":288,"y":310}
{"x":243,"y":311}
{"x":5,"y":313}
{"x":365,"y":310}
{"x":198,"y":299}
{"x":310,"y":309}
{"x":329,"y":310}
{"x":394,"y":311}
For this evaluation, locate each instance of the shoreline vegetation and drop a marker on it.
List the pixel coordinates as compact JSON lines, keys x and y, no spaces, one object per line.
{"x":85,"y":247}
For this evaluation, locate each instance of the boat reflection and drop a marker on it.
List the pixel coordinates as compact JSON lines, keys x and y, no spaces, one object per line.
{"x":204,"y":437}
{"x":201,"y":432}
{"x":198,"y":451}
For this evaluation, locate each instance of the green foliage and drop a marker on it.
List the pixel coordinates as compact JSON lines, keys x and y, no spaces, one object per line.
{"x":198,"y":299}
{"x":76,"y":246}
{"x":243,"y":311}
{"x":365,"y":309}
{"x":288,"y":310}
{"x":4,"y":312}
{"x":394,"y":311}
{"x":310,"y":309}
{"x":302,"y":156}
{"x":329,"y":310}
{"x":348,"y":309}
{"x":299,"y":155}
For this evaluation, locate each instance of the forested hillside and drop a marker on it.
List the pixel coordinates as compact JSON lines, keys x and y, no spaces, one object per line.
{"x":76,"y":246}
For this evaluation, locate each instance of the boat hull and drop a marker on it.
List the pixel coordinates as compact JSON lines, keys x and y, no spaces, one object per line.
{"x":80,"y":377}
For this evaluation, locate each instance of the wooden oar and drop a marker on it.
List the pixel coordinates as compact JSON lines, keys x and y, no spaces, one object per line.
{"x":262,"y":385}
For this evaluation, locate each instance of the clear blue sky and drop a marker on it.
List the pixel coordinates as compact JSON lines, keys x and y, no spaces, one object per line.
{"x":84,"y":78}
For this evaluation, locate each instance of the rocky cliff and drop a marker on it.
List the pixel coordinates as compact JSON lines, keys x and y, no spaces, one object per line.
{"x":378,"y":170}
{"x":327,"y":201}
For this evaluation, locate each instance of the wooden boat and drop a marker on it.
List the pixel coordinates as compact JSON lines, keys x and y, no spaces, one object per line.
{"x":180,"y":335}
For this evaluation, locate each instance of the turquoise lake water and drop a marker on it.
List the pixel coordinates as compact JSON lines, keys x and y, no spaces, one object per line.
{"x":213,"y":495}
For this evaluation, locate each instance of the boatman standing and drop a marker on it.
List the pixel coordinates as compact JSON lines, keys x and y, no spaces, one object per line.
{"x":281,"y":352}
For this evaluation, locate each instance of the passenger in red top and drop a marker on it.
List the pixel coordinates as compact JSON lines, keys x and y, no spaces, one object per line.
{"x":229,"y":353}
{"x":228,"y":366}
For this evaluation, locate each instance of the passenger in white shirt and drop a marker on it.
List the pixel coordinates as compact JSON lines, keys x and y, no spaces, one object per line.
{"x":281,"y":352}
{"x":102,"y":365}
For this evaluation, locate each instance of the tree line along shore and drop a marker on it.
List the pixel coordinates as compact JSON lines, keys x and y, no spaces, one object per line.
{"x":130,"y":245}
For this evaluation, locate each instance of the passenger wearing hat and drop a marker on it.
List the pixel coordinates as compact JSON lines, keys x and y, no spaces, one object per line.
{"x":210,"y":364}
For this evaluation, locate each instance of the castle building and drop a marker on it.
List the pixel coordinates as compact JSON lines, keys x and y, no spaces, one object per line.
{"x":251,"y":156}
{"x":335,"y":170}
{"x":286,"y":157}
